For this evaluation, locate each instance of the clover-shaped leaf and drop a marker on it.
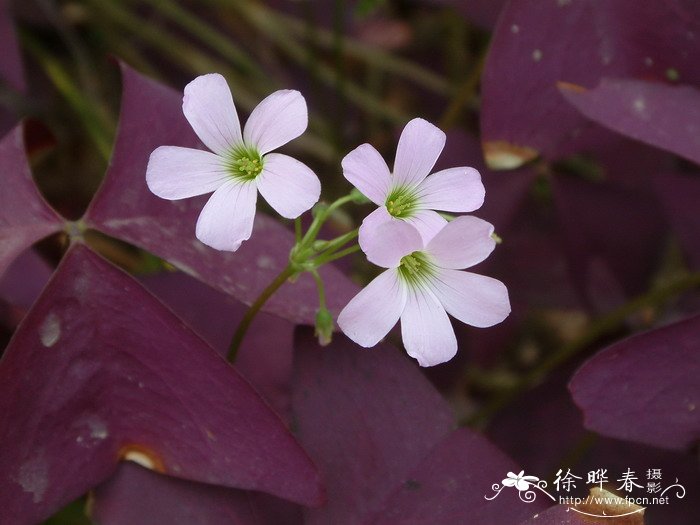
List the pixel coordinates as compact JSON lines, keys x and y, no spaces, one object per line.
{"x":100,"y":371}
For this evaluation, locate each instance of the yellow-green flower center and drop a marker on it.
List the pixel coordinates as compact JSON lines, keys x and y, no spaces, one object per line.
{"x":244,"y":163}
{"x":416,"y":268}
{"x":401,"y":202}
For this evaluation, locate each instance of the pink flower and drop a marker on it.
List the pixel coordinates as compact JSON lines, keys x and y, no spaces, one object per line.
{"x":241,"y":163}
{"x":422,"y":285}
{"x":409,"y":194}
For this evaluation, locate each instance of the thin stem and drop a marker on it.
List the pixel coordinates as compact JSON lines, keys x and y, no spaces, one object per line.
{"x":338,"y":255}
{"x":600,"y":327}
{"x":245,"y":323}
{"x":334,"y":244}
{"x":321,"y":289}
{"x":320,"y":219}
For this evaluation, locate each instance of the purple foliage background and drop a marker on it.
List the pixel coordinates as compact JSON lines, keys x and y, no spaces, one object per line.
{"x":117,"y":405}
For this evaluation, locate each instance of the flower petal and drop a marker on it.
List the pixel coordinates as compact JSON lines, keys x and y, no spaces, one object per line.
{"x":279,"y":118}
{"x":473,"y":299}
{"x":208,"y":107}
{"x":426,"y":330}
{"x":365,"y":168}
{"x":370,"y":224}
{"x":177,"y":173}
{"x":289,"y":186}
{"x":227,"y":218}
{"x":419,"y":147}
{"x":370,"y":315}
{"x":462,"y":243}
{"x":386,"y":244}
{"x":455,"y":189}
{"x":509,"y":482}
{"x":428,"y":223}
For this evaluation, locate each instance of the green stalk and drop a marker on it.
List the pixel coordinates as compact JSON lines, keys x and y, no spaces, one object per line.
{"x":249,"y":316}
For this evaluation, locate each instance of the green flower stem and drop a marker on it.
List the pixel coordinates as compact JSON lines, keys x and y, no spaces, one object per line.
{"x":321,"y":218}
{"x":302,"y":258}
{"x":338,"y":255}
{"x":245,"y":323}
{"x":602,"y":326}
{"x":333,"y":246}
{"x":321,"y":289}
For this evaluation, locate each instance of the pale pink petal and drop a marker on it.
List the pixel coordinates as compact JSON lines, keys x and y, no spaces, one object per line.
{"x":208,"y":107}
{"x":462,"y":243}
{"x":371,"y":223}
{"x":279,"y":118}
{"x":177,"y":173}
{"x":289,"y":186}
{"x":426,"y":330}
{"x":455,"y":190}
{"x":419,"y":147}
{"x":227,"y":218}
{"x":473,"y":299}
{"x":370,"y":315}
{"x":386,"y":244}
{"x":428,"y":223}
{"x":365,"y":168}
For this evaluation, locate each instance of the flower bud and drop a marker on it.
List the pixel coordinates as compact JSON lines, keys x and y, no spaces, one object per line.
{"x":324,"y":326}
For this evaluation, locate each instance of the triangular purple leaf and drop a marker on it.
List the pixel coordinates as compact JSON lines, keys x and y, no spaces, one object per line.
{"x":373,"y":424}
{"x":136,"y":496}
{"x":449,"y":486}
{"x":645,"y":388}
{"x":538,"y":43}
{"x":25,"y":217}
{"x":657,"y":114}
{"x":265,"y":356}
{"x":151,"y":116}
{"x":100,"y":371}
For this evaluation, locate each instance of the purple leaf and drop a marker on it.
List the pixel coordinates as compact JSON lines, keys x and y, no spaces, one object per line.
{"x":151,"y":116}
{"x":265,"y":356}
{"x":645,"y":388}
{"x":99,"y":371}
{"x":448,"y":486}
{"x":22,"y":283}
{"x":538,"y":43}
{"x":680,"y":195}
{"x":136,"y":496}
{"x":25,"y":217}
{"x":379,"y":432}
{"x":664,"y":116}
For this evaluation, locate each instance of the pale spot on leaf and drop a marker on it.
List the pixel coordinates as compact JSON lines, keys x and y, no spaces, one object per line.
{"x":50,"y":331}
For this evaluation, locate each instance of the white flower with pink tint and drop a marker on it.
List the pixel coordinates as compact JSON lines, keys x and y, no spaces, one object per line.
{"x":422,"y":284}
{"x":409,"y":194}
{"x":240,"y":163}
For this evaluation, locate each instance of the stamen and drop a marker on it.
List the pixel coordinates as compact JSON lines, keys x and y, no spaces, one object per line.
{"x":416,"y":268}
{"x":401,"y":203}
{"x":245,"y":163}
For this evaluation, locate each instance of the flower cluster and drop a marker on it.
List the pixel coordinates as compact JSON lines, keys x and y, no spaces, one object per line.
{"x":423,"y":253}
